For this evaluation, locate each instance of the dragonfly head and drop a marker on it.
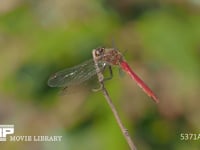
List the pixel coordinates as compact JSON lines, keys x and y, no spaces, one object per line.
{"x":99,"y":52}
{"x":108,"y":55}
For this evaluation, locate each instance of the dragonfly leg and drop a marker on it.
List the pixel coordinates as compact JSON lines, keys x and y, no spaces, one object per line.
{"x":104,"y":79}
{"x":98,"y":89}
{"x":110,"y":71}
{"x":63,"y":91}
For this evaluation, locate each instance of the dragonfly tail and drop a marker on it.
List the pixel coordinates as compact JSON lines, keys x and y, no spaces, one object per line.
{"x":124,"y":65}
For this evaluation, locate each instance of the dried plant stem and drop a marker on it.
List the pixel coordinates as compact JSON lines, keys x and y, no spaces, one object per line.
{"x":119,"y":122}
{"x":112,"y":107}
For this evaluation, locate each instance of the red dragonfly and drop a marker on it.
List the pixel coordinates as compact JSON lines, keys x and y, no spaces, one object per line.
{"x":105,"y":57}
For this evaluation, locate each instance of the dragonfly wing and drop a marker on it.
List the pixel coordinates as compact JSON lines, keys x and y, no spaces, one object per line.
{"x":121,"y":72}
{"x":74,"y":75}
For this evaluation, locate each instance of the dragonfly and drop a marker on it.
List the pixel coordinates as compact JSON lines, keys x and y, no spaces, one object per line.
{"x":106,"y":57}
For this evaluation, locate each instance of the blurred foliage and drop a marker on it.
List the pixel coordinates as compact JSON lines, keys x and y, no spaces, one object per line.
{"x":160,"y":40}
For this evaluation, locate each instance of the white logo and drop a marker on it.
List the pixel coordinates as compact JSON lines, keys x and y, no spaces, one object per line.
{"x":5,"y":130}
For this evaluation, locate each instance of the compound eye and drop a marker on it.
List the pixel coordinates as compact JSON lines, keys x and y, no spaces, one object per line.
{"x":99,"y":51}
{"x":102,"y":50}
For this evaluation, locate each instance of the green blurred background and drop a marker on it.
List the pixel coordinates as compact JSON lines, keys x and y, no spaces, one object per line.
{"x":159,"y":39}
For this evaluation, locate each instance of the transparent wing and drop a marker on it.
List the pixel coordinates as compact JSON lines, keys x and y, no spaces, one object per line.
{"x":74,"y":75}
{"x":121,"y":72}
